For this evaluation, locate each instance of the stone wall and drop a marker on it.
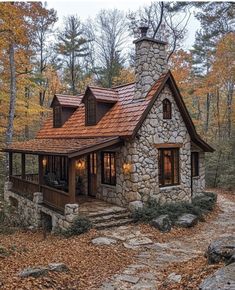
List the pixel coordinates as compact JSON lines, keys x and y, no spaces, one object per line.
{"x":199,"y":181}
{"x":32,"y":211}
{"x":106,"y":192}
{"x":144,"y":156}
{"x":141,"y":182}
{"x":150,"y":63}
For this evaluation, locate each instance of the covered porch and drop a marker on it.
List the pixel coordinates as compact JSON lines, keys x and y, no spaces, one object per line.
{"x":64,"y":171}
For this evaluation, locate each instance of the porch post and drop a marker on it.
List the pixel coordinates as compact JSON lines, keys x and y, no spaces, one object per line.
{"x":22,"y":165}
{"x":72,"y":180}
{"x":10,"y":163}
{"x":40,"y":169}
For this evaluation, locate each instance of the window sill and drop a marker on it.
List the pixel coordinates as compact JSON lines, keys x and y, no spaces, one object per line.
{"x":108,"y":185}
{"x":170,"y":187}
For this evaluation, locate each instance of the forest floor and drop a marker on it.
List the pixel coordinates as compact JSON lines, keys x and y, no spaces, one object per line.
{"x":117,"y":266}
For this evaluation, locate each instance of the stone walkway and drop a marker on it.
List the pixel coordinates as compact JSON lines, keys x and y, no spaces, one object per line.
{"x":152,"y":257}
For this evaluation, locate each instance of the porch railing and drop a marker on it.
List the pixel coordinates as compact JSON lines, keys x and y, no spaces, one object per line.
{"x":54,"y":197}
{"x":24,"y":187}
{"x":51,"y":196}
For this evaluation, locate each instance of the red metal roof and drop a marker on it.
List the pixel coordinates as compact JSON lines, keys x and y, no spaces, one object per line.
{"x":122,"y":120}
{"x":68,"y":100}
{"x":61,"y":146}
{"x":104,"y":95}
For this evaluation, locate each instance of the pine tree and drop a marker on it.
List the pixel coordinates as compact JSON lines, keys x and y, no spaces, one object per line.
{"x":72,"y":46}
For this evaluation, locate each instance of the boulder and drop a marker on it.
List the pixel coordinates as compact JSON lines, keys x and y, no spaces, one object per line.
{"x":221,"y":250}
{"x":187,"y":220}
{"x":174,"y":278}
{"x":33,"y":272}
{"x":163,"y":223}
{"x":223,"y":279}
{"x":137,"y":242}
{"x":103,"y":241}
{"x":135,"y":205}
{"x":58,"y":267}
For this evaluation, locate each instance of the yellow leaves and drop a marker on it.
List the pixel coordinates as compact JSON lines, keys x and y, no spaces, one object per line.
{"x":126,"y":76}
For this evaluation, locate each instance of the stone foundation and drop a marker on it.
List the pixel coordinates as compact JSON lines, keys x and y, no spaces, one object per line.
{"x":32,"y":211}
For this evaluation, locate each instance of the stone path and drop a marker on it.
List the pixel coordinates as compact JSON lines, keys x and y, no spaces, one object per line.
{"x":152,"y":257}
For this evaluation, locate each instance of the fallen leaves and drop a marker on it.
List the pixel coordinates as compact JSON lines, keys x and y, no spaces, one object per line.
{"x":193,"y":272}
{"x":89,"y":265}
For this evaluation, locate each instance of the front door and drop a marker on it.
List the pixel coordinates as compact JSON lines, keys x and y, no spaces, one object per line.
{"x":92,"y":174}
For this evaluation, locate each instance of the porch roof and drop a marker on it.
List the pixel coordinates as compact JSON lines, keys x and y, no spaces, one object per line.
{"x":66,"y":147}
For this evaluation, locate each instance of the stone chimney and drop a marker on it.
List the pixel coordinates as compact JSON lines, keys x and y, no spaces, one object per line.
{"x":150,"y":62}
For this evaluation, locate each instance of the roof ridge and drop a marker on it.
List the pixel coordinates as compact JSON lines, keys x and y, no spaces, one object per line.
{"x":124,"y":85}
{"x":66,"y":95}
{"x":101,"y":88}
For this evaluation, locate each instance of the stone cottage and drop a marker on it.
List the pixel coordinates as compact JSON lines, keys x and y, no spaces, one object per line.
{"x":121,"y":145}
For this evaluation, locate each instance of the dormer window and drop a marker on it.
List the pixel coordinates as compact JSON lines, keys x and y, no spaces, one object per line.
{"x":57,"y":116}
{"x":166,"y":109}
{"x":91,"y":111}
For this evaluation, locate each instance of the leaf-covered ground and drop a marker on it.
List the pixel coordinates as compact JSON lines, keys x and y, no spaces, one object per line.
{"x":89,"y":265}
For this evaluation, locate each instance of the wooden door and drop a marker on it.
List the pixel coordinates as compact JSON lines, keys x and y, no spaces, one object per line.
{"x":92,"y":174}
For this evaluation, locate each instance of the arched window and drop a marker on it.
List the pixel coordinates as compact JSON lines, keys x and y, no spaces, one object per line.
{"x":166,"y":109}
{"x":57,"y":116}
{"x":91,"y":111}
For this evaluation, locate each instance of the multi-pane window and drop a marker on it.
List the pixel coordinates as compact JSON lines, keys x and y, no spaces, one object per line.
{"x":195,"y":163}
{"x":166,"y":109}
{"x":168,"y":166}
{"x":91,"y":111}
{"x":108,"y":168}
{"x":57,"y":116}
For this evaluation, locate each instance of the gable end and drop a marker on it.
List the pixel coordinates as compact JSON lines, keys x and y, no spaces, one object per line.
{"x":169,"y":79}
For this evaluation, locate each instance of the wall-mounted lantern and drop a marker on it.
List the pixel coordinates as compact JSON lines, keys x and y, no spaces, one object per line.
{"x":44,"y":162}
{"x":80,"y":164}
{"x":126,"y":167}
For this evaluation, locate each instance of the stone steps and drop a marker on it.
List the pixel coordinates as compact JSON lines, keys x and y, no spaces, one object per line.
{"x":112,"y":218}
{"x":111,"y":224}
{"x":110,"y":211}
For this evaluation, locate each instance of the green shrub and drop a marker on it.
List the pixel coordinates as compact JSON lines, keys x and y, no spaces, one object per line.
{"x":205,"y":202}
{"x":79,"y":226}
{"x":199,"y":206}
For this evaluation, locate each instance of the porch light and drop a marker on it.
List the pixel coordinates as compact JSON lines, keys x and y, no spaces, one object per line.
{"x":126,"y":167}
{"x":44,"y":162}
{"x":80,"y":164}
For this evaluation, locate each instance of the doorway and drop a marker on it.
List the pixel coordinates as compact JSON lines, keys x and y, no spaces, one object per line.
{"x":92,"y":174}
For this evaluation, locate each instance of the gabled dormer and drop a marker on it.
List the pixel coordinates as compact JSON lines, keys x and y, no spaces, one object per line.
{"x":63,"y":108}
{"x":98,"y":101}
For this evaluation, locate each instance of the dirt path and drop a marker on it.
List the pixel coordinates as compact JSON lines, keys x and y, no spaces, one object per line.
{"x":146,"y":272}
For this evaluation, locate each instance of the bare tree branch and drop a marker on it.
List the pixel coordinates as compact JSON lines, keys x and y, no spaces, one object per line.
{"x":160,"y":21}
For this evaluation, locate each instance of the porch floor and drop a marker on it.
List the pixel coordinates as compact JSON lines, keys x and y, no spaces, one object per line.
{"x":91,"y":206}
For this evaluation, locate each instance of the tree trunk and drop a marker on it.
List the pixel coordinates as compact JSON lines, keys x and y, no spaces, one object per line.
{"x":229,"y":109}
{"x":10,"y":125}
{"x":207,"y":112}
{"x":218,"y":112}
{"x":73,"y":74}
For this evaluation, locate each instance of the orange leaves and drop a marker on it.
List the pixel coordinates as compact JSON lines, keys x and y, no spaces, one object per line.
{"x":89,"y":265}
{"x":125,"y":76}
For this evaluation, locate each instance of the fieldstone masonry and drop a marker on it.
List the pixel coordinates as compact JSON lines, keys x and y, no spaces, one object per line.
{"x":142,"y":181}
{"x":31,"y":210}
{"x":150,"y":63}
{"x":199,"y":181}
